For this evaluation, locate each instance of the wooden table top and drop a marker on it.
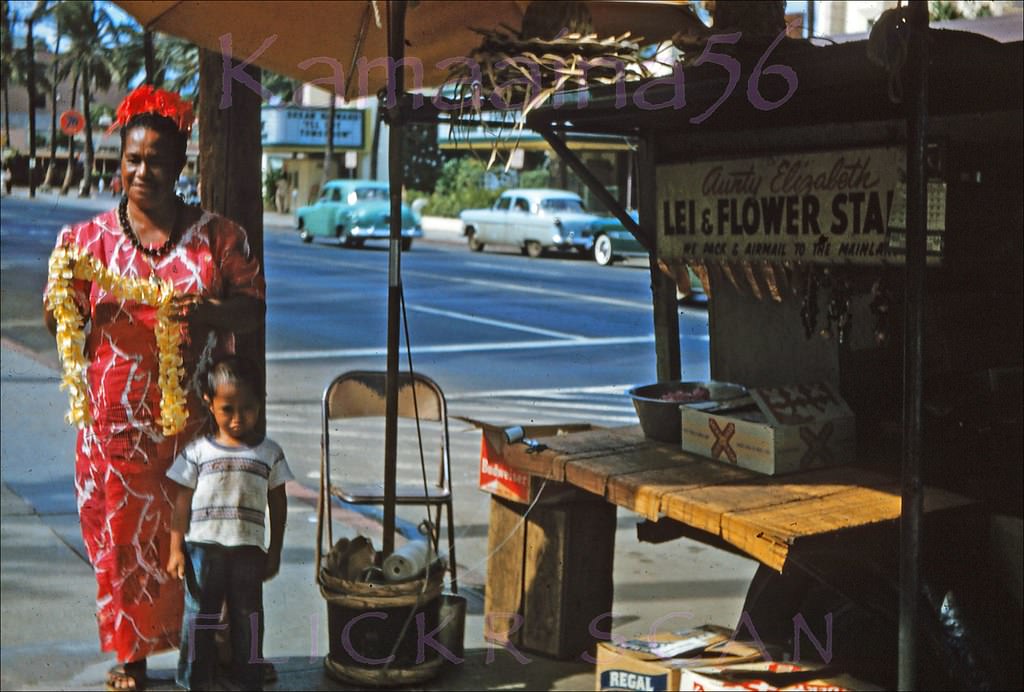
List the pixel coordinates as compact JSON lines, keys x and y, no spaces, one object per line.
{"x":763,"y":516}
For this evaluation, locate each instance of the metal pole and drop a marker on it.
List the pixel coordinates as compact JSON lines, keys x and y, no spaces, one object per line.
{"x":916,"y":91}
{"x":396,"y":50}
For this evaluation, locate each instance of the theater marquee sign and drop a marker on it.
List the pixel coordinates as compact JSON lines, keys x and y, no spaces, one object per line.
{"x":831,"y":207}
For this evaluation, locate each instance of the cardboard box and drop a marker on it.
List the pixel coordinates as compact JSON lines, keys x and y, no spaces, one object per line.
{"x":497,"y":477}
{"x":779,"y":430}
{"x":654,"y":661}
{"x":766,"y":675}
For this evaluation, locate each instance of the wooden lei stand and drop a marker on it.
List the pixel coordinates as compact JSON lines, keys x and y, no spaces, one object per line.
{"x":950,"y":157}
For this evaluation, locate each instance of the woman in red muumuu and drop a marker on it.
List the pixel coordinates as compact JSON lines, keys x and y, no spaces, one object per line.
{"x":124,"y":497}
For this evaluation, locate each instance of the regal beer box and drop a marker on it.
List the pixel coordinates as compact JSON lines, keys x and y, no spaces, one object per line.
{"x":776,"y":430}
{"x":653,"y":662}
{"x":767,"y":675}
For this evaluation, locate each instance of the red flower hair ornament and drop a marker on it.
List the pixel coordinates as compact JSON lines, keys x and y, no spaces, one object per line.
{"x":146,"y":99}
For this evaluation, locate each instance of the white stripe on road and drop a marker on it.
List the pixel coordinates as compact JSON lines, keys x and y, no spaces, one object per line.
{"x":447,"y":278}
{"x":559,"y":406}
{"x":513,"y":269}
{"x":553,"y":392}
{"x":494,"y":323}
{"x":378,"y":351}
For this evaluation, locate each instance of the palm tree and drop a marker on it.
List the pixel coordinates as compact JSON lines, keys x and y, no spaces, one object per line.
{"x":175,"y":61}
{"x":177,"y":66}
{"x":89,"y":27}
{"x":58,"y":72}
{"x":18,"y":68}
{"x":6,"y":66}
{"x":30,"y":56}
{"x":69,"y":172}
{"x":281,"y":86}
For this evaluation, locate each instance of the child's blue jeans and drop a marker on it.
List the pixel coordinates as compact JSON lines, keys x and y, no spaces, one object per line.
{"x":215,"y":574}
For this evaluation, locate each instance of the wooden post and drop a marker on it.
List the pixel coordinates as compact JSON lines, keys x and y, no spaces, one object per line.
{"x":230,"y":173}
{"x":663,"y":288}
{"x":549,"y":572}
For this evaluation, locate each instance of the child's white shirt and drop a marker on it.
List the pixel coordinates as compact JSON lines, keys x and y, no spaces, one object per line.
{"x":230,"y":487}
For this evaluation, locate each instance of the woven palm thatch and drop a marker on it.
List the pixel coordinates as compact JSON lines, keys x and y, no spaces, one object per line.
{"x":518,"y":74}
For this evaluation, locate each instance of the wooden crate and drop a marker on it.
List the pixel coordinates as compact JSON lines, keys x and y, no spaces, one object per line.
{"x":549,"y":577}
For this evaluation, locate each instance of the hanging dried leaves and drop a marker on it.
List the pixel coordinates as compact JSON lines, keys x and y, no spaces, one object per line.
{"x":518,"y":75}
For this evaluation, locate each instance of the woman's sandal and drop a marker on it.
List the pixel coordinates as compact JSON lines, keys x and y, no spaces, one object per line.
{"x":127,"y":676}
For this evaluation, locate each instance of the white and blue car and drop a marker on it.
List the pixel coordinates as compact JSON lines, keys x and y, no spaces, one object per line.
{"x":536,"y":220}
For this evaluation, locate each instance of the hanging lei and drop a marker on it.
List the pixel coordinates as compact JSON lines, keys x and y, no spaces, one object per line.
{"x":68,"y":263}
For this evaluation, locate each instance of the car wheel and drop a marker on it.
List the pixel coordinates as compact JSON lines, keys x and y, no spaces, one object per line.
{"x":603,"y":250}
{"x":304,"y":235}
{"x":533,"y":249}
{"x":474,"y":243}
{"x":344,"y":239}
{"x":406,"y":244}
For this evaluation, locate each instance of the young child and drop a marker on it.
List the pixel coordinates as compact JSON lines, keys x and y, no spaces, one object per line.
{"x":227,"y":481}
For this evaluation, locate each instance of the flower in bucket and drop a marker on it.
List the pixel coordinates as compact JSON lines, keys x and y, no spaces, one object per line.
{"x":68,"y":263}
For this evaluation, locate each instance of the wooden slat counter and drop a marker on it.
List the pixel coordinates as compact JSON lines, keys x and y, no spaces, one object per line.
{"x":763,"y":516}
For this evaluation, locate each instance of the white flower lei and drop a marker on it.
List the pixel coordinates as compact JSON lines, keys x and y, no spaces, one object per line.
{"x":68,"y":263}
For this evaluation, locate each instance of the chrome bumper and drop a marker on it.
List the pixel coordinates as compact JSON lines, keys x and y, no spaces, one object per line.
{"x":383,"y":232}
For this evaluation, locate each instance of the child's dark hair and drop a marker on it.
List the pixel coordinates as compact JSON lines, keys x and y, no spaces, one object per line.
{"x":233,"y":370}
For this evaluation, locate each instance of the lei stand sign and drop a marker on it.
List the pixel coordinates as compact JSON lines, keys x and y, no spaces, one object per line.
{"x":825,"y":207}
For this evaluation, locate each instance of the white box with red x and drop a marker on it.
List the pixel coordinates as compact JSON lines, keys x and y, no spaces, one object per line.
{"x":784,"y":429}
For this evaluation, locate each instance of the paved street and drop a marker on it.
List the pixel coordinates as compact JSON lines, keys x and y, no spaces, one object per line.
{"x":509,"y":339}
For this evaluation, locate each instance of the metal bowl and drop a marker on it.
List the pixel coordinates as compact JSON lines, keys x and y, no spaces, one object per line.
{"x":661,"y":419}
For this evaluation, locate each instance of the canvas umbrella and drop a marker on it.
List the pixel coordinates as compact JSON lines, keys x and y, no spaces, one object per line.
{"x":323,"y":42}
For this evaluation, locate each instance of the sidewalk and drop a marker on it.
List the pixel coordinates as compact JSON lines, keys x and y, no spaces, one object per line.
{"x":49,"y":639}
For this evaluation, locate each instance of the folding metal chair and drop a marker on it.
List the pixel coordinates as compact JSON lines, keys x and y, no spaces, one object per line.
{"x":361,"y":394}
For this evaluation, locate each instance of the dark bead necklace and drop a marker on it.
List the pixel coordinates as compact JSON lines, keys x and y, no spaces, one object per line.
{"x":129,"y":232}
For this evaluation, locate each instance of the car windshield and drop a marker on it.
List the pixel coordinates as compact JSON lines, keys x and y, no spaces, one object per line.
{"x":367,"y":193}
{"x":562,"y":204}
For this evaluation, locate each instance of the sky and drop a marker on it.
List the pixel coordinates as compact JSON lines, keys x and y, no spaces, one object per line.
{"x":46,"y":30}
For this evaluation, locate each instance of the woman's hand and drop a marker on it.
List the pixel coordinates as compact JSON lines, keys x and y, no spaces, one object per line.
{"x":239,"y":314}
{"x":187,"y":307}
{"x":176,"y":563}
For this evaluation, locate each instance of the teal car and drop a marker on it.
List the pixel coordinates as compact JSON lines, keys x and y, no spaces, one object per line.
{"x":352,"y":212}
{"x":613,"y":242}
